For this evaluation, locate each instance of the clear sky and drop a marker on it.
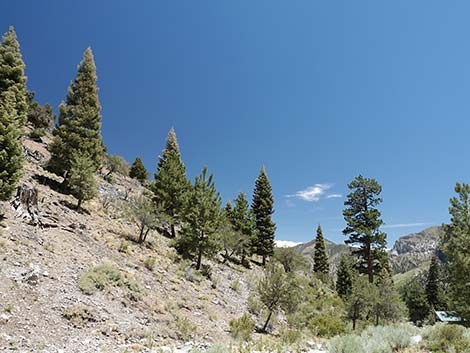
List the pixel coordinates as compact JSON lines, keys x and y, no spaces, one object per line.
{"x":317,"y":91}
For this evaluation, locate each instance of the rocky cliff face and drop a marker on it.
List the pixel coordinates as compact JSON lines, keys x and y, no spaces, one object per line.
{"x":414,"y":249}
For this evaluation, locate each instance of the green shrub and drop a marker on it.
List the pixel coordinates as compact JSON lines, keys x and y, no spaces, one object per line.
{"x":242,"y":328}
{"x":327,"y":325}
{"x":103,"y":275}
{"x":235,"y":286}
{"x":149,"y":263}
{"x":184,"y":327}
{"x":254,"y":304}
{"x":124,"y":246}
{"x":37,"y":133}
{"x":448,"y":338}
{"x":346,"y":344}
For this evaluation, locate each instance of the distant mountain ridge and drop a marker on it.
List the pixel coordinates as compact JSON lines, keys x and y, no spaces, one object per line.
{"x":409,"y":252}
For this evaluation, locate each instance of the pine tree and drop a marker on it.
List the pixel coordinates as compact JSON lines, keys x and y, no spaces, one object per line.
{"x":81,"y":179}
{"x":433,"y":284}
{"x":320,"y":264}
{"x":138,"y":170}
{"x":263,"y":210}
{"x":243,"y":222}
{"x":12,"y":77}
{"x":456,"y":246}
{"x":79,"y":130}
{"x":202,"y":218}
{"x":363,"y":223}
{"x":414,"y":296}
{"x":344,"y":278}
{"x":171,"y":184}
{"x":11,"y":151}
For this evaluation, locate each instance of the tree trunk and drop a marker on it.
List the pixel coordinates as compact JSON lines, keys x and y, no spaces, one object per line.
{"x":264,"y":260}
{"x":267,"y":321}
{"x":145,"y":235}
{"x":370,"y":266}
{"x":173,"y":231}
{"x":199,"y":259}
{"x":141,"y":234}
{"x":376,"y":319}
{"x":354,"y":323}
{"x":79,"y":204}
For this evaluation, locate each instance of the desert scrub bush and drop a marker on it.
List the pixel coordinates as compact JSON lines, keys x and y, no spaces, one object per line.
{"x":183,"y":327}
{"x":445,"y":338}
{"x":393,"y":338}
{"x":79,"y":314}
{"x":254,"y":304}
{"x":124,"y":246}
{"x":149,"y":263}
{"x":103,"y":275}
{"x":346,"y":344}
{"x":290,"y":336}
{"x":242,"y":328}
{"x":235,"y":286}
{"x":327,"y":324}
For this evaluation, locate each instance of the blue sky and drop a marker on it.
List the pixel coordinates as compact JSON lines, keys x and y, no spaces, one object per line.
{"x":317,"y":91}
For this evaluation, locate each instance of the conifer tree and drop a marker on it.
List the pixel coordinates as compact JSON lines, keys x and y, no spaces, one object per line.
{"x":79,"y":130}
{"x":138,"y":170}
{"x":433,"y":284}
{"x":344,"y":278}
{"x":11,"y":151}
{"x":363,"y":223}
{"x":414,"y":296}
{"x":456,"y":246}
{"x":262,"y":206}
{"x":12,"y":77}
{"x":171,"y":184}
{"x":81,"y":181}
{"x":202,"y":218}
{"x":320,"y":264}
{"x":243,"y":222}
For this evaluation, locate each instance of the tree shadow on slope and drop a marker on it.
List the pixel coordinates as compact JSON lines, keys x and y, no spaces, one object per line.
{"x":53,"y":184}
{"x":73,"y":207}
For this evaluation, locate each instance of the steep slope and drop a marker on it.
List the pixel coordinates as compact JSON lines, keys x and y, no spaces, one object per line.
{"x":144,"y":295}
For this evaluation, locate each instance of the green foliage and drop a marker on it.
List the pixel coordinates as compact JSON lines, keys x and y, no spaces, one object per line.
{"x":361,"y":299}
{"x":11,"y":151}
{"x":291,"y":259}
{"x":79,"y":130}
{"x":171,"y":187}
{"x":138,"y":170}
{"x":262,"y":206}
{"x":275,"y":290}
{"x":328,"y":324}
{"x":363,"y":224}
{"x":414,"y":296}
{"x":448,"y":338}
{"x":145,"y":215}
{"x":116,"y":164}
{"x":434,"y":290}
{"x":386,"y":302}
{"x":105,"y":275}
{"x":243,"y":223}
{"x":37,"y":133}
{"x":12,"y":78}
{"x":150,"y":262}
{"x":40,"y":117}
{"x":242,"y":328}
{"x":456,"y":246}
{"x":184,"y":327}
{"x":202,"y":218}
{"x":320,"y":257}
{"x":81,"y":179}
{"x":235,"y":286}
{"x":344,"y":277}
{"x":346,"y":344}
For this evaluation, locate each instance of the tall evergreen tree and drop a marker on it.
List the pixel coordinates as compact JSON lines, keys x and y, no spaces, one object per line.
{"x":11,"y":151}
{"x":12,"y":77}
{"x":262,"y":206}
{"x":138,"y":170}
{"x":171,"y":184}
{"x":433,"y":284}
{"x":363,"y":224}
{"x":202,"y":218}
{"x":320,"y":264}
{"x":344,"y":278}
{"x":79,"y":130}
{"x":456,"y":246}
{"x":243,"y":222}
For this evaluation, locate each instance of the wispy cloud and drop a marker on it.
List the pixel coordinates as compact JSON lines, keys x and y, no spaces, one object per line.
{"x":334,"y":196}
{"x":315,"y":193}
{"x":406,"y":225}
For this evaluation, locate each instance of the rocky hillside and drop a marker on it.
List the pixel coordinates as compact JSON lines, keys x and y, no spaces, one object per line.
{"x":335,"y":251}
{"x":78,"y":282}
